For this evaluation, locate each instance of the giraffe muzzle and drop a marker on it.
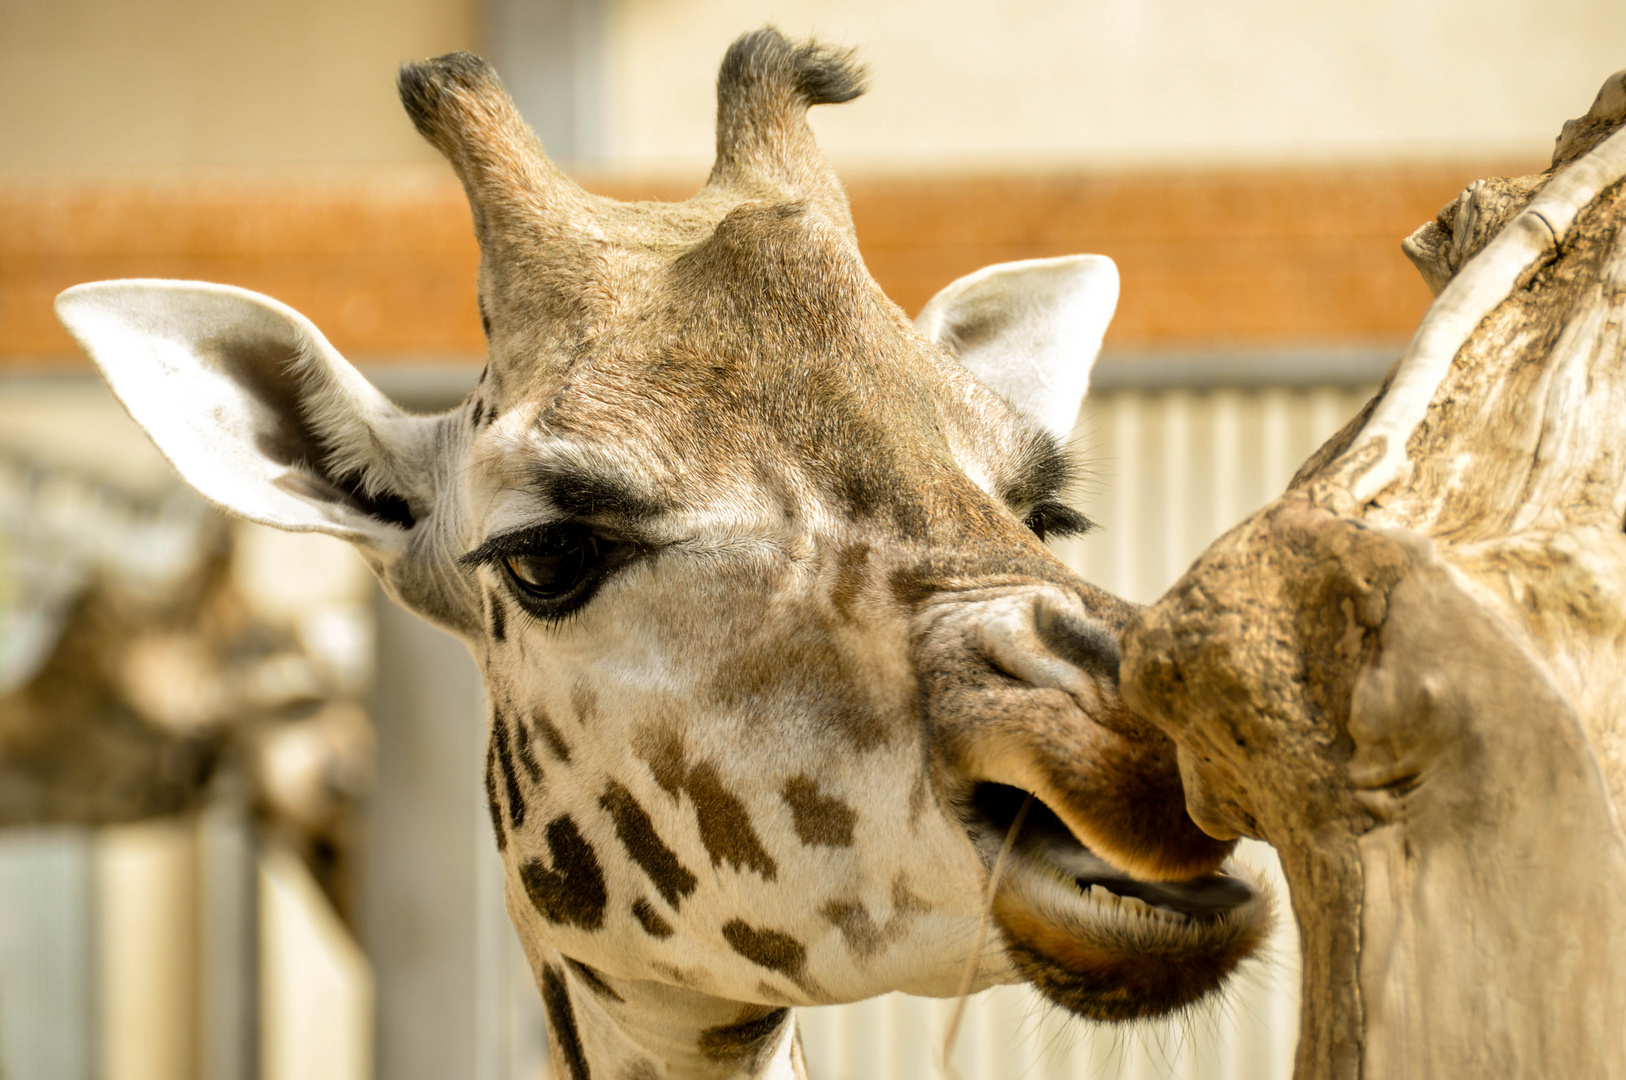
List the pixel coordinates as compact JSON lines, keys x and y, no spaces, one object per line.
{"x":1050,"y":722}
{"x":1112,"y":901}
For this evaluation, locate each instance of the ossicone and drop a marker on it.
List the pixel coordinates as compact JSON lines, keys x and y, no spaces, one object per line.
{"x":439,"y":93}
{"x":763,"y":62}
{"x":458,"y":103}
{"x":764,"y":146}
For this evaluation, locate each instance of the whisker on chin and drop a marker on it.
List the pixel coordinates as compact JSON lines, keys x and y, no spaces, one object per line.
{"x":975,"y":959}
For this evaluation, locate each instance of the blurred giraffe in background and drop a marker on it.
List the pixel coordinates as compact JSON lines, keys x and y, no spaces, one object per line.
{"x":156,"y":658}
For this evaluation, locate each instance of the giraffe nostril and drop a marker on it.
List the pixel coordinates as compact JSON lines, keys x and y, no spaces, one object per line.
{"x":1082,"y":642}
{"x":1038,"y":641}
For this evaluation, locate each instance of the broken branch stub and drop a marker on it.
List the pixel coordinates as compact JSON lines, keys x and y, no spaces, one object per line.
{"x":1408,"y":673}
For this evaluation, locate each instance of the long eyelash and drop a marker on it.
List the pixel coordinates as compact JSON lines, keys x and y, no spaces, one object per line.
{"x":1059,"y":520}
{"x":1043,"y":469}
{"x":498,"y":548}
{"x":550,"y":619}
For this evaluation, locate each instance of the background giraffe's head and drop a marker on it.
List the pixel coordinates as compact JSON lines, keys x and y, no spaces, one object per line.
{"x":753,"y":566}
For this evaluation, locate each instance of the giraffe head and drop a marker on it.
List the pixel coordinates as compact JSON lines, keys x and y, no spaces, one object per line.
{"x":753,"y":566}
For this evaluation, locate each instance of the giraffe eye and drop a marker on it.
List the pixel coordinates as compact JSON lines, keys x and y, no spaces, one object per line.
{"x":559,"y":566}
{"x":554,"y":570}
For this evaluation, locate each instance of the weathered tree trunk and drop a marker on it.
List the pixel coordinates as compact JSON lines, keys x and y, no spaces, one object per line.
{"x":1409,"y":672}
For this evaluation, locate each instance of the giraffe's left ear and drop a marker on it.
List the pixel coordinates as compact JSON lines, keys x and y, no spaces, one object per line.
{"x":1029,"y":330}
{"x":255,"y":409}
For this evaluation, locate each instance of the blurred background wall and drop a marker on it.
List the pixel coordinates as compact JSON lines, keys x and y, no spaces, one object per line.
{"x":958,"y":84}
{"x":178,"y":84}
{"x":1251,"y":166}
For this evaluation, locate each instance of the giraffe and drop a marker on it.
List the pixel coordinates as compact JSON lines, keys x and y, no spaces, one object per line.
{"x":755,"y":572}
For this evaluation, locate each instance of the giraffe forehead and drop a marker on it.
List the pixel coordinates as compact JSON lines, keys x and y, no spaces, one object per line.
{"x":762,"y":355}
{"x":869,"y":436}
{"x":769,"y":323}
{"x":682,"y":473}
{"x":662,"y":272}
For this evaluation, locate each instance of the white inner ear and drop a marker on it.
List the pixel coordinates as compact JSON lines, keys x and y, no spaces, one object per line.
{"x":251,"y":404}
{"x":1030,"y":330}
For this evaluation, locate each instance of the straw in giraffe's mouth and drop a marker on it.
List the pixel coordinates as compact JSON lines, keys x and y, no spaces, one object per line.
{"x":1100,"y":942}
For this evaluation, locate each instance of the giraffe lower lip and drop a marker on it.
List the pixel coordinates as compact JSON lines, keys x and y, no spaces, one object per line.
{"x":1207,"y":897}
{"x":1097,"y":941}
{"x":1111,"y":947}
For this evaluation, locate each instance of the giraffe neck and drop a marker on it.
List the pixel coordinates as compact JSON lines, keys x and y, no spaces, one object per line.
{"x":615,"y":1029}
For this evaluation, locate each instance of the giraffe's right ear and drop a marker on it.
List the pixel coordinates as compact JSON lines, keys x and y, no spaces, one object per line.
{"x":258,"y":412}
{"x":1029,"y":330}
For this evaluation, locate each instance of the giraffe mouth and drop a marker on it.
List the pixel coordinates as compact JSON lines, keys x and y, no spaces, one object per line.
{"x":1099,"y":942}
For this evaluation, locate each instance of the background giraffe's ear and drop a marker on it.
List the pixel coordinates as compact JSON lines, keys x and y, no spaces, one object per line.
{"x":1029,"y":330}
{"x":258,"y":412}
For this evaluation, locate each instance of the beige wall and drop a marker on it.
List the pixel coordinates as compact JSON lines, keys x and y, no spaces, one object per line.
{"x":1143,"y":82}
{"x":957,"y":83}
{"x":90,"y":83}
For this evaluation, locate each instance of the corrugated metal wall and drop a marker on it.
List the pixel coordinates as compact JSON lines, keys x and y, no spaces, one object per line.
{"x":1167,"y":471}
{"x":47,"y":961}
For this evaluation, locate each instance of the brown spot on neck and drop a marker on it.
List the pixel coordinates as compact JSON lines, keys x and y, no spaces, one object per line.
{"x":593,"y":980}
{"x":662,"y":751}
{"x":550,"y":735}
{"x":527,"y":757}
{"x":584,"y":701}
{"x":650,"y":919}
{"x":772,"y":949}
{"x":491,"y":796}
{"x":499,"y":619}
{"x":562,"y":1023}
{"x":671,"y":878}
{"x":819,"y":819}
{"x":505,"y":760}
{"x":725,"y":824}
{"x":572,"y":891}
{"x":864,"y":935}
{"x":770,"y":992}
{"x":688,"y":978}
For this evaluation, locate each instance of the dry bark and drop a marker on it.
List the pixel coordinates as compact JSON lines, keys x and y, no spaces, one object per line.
{"x":1408,"y":673}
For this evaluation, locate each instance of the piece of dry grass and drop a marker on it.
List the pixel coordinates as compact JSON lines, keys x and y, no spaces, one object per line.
{"x":975,"y":959}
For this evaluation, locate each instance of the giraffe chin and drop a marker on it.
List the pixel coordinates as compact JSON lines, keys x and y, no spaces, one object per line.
{"x":1110,"y":947}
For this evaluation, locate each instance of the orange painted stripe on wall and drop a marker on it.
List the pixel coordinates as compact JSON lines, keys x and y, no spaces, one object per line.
{"x":386,"y":265}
